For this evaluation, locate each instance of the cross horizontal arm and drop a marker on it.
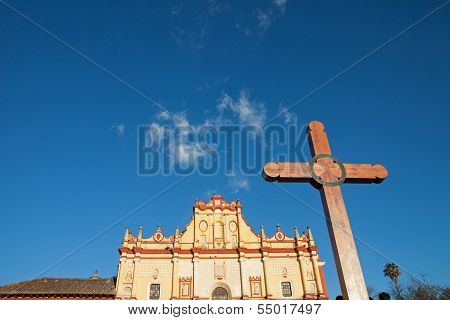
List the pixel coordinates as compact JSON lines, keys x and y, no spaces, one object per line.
{"x":299,"y":172}
{"x":287,"y":171}
{"x":365,"y":173}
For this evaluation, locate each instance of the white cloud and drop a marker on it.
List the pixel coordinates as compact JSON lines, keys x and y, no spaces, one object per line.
{"x":119,"y":128}
{"x":186,"y":153}
{"x":164,"y":115}
{"x":183,"y":148}
{"x":264,"y":20}
{"x":156,"y":132}
{"x":238,"y":182}
{"x":179,"y":120}
{"x":180,"y":149}
{"x":224,"y":102}
{"x":289,"y":117}
{"x":280,"y":4}
{"x":251,"y":113}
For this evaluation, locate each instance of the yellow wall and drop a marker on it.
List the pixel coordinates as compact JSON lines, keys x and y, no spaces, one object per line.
{"x":219,"y":249}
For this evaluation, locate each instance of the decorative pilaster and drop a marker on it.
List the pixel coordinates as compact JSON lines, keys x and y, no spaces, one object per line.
{"x":240,"y":230}
{"x":267,"y":282}
{"x":244,"y":282}
{"x":119,"y":275}
{"x":302,"y":263}
{"x":317,"y":275}
{"x":137,"y":268}
{"x":196,"y":284}
{"x":175,"y":282}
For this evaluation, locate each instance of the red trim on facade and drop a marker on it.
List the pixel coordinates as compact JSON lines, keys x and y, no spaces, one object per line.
{"x":213,"y":251}
{"x":278,"y":250}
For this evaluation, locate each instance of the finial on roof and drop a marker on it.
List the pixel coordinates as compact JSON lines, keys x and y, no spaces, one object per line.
{"x":127,"y":235}
{"x":95,"y":276}
{"x":177,"y":232}
{"x":159,"y":228}
{"x":297,"y":235}
{"x":263,"y":234}
{"x":278,"y":227}
{"x":310,"y":236}
{"x":140,"y":234}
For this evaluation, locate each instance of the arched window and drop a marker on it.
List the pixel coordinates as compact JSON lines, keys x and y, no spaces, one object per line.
{"x":220,"y":293}
{"x":155,"y":291}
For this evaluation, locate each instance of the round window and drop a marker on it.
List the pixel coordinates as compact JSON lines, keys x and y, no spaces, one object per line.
{"x":203,"y":225}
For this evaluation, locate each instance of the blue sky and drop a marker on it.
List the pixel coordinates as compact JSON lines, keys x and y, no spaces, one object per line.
{"x":68,"y":132}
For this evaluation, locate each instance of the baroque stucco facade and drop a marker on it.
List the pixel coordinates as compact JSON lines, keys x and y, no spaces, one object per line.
{"x":218,"y":255}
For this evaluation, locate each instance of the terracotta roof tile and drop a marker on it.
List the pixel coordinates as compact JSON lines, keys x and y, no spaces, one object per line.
{"x":60,"y":287}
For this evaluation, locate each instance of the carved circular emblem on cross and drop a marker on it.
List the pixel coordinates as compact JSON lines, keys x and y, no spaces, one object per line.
{"x":327,"y":170}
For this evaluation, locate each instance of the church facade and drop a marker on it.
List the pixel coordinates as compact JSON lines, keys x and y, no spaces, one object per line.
{"x":219,"y":256}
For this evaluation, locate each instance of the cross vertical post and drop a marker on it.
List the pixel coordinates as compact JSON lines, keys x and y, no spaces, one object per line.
{"x":350,"y":274}
{"x":326,"y":173}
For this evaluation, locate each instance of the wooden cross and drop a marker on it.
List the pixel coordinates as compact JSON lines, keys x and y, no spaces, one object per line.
{"x":326,"y":173}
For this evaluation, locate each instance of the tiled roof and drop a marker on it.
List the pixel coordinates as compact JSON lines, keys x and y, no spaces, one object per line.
{"x":60,"y":287}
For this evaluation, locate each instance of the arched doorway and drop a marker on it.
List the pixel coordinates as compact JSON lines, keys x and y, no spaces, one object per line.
{"x":220,"y":293}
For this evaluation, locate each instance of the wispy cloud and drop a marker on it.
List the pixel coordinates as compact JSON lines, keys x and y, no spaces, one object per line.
{"x":181,"y":150}
{"x":156,"y":132}
{"x":264,"y":18}
{"x":249,"y":112}
{"x":118,"y":128}
{"x":240,"y":110}
{"x":190,"y":26}
{"x":209,"y":84}
{"x":280,"y":4}
{"x":238,"y":182}
{"x":164,"y":115}
{"x":290,"y":118}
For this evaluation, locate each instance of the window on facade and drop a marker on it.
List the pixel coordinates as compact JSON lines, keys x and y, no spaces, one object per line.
{"x":155,"y":291}
{"x":127,"y":293}
{"x":255,"y":286}
{"x":185,"y":290}
{"x":286,"y":289}
{"x":256,"y":289}
{"x":185,"y":287}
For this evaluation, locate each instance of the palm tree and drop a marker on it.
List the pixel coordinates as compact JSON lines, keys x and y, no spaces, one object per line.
{"x":392,"y":271}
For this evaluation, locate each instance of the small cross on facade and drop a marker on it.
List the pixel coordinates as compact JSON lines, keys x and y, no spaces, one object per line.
{"x":326,"y":173}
